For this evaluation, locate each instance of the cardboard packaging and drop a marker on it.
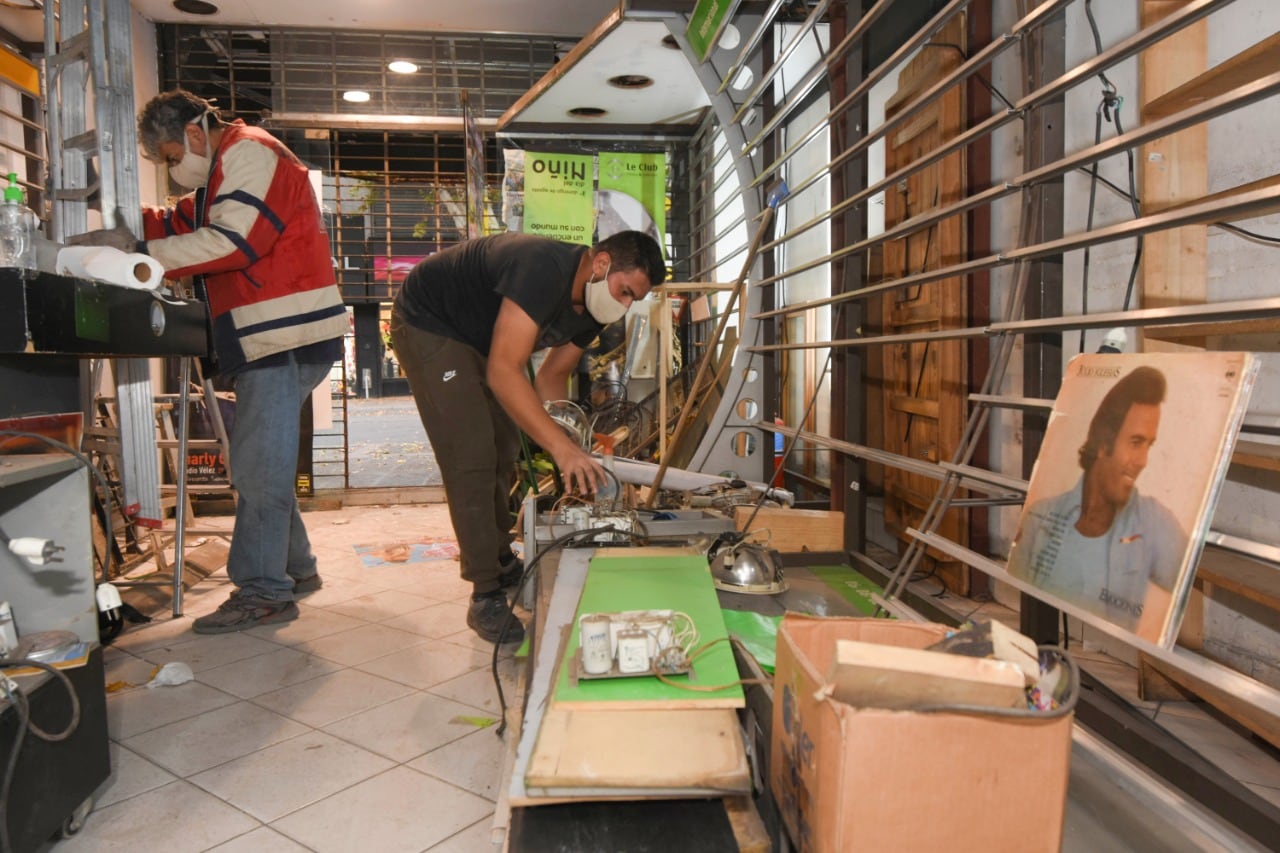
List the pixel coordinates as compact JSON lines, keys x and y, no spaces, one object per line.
{"x":849,"y":778}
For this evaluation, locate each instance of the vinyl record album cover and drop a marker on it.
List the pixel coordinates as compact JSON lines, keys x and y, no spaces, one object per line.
{"x":1123,"y":491}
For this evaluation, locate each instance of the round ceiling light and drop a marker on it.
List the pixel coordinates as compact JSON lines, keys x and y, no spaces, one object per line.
{"x":587,"y":112}
{"x":402,"y":66}
{"x":195,"y":7}
{"x":355,"y":96}
{"x":670,"y":42}
{"x":631,"y":81}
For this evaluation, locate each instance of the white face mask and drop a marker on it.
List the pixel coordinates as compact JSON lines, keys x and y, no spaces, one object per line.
{"x":601,"y":305}
{"x":193,"y":170}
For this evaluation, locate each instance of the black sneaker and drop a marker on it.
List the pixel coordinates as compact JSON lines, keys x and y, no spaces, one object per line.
{"x":489,"y":614}
{"x":510,"y":572}
{"x":311,"y":584}
{"x":244,"y":611}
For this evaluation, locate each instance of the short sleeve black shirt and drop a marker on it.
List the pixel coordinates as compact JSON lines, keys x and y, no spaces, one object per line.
{"x":457,"y":292}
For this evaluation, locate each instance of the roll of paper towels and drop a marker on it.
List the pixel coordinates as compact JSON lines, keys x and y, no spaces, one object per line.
{"x":103,"y":263}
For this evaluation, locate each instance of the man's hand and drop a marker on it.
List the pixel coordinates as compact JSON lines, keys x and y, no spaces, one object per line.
{"x":119,"y":237}
{"x":580,"y":472}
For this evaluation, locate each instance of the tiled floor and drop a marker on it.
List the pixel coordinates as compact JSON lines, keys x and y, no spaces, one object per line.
{"x":356,"y":727}
{"x":353,"y":728}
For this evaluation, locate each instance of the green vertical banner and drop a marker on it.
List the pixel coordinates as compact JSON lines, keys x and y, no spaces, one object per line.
{"x":558,"y":190}
{"x":632,"y":194}
{"x":706,"y":23}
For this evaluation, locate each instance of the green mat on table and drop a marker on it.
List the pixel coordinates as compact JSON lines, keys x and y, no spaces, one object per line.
{"x":759,"y":633}
{"x":849,"y":585}
{"x":678,"y":582}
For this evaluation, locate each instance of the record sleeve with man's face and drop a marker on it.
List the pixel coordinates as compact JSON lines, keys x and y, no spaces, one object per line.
{"x":1123,"y":491}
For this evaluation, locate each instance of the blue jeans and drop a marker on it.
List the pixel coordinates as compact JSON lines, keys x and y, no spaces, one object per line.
{"x":269,"y":546}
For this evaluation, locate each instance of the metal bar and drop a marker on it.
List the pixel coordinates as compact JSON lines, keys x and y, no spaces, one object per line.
{"x":1255,"y":693}
{"x":798,"y":90}
{"x":749,"y":46}
{"x":1001,"y":402}
{"x":1012,"y":484}
{"x":1183,"y":18}
{"x":883,"y":457}
{"x":875,"y":76}
{"x":180,"y":511}
{"x":1232,"y":207}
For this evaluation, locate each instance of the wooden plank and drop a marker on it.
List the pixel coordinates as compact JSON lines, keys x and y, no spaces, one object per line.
{"x":1255,"y":454}
{"x":1252,"y":579}
{"x":1173,"y":169}
{"x":1253,"y":717}
{"x":871,"y":675}
{"x":795,"y":530}
{"x":1247,"y":66}
{"x":602,"y":749}
{"x":915,"y":406}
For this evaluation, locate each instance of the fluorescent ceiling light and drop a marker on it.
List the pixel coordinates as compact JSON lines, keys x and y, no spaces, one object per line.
{"x":355,"y":96}
{"x":402,"y":66}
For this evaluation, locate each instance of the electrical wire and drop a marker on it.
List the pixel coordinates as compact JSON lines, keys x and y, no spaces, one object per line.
{"x":709,"y":688}
{"x":511,"y":615}
{"x":22,"y":707}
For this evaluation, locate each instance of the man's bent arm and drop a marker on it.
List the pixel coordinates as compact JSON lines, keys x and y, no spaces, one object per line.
{"x":514,"y":336}
{"x":552,"y":381}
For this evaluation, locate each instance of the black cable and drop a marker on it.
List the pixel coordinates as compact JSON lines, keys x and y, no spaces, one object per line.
{"x":511,"y":614}
{"x":23,"y":710}
{"x":1243,"y":233}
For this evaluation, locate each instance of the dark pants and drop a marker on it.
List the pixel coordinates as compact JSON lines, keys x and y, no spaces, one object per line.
{"x":475,"y":442}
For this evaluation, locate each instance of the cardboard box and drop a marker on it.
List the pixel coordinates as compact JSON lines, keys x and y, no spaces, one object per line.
{"x":849,"y":778}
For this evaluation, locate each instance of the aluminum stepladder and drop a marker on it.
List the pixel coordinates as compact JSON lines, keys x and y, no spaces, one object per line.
{"x":89,"y":55}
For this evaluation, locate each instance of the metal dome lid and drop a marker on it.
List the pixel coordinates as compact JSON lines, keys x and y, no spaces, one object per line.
{"x":746,"y":567}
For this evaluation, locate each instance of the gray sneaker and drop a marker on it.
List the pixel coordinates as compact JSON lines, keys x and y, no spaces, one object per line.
{"x":244,"y":611}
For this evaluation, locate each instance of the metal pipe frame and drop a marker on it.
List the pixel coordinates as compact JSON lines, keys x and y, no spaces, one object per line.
{"x":1242,"y":206}
{"x":799,"y":90}
{"x":1119,"y":52}
{"x":1233,"y":683}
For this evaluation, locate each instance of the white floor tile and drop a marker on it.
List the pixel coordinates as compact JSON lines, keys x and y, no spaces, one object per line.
{"x":131,"y":774}
{"x":312,"y":623}
{"x":205,"y":651}
{"x":476,"y":688}
{"x":264,"y":839}
{"x":282,"y":778}
{"x":332,"y":697}
{"x":215,"y":737}
{"x":340,"y":591}
{"x":413,"y":812}
{"x":439,"y":620}
{"x":427,"y":664}
{"x":473,"y":762}
{"x":175,"y":818}
{"x":136,"y":711}
{"x":407,"y":727}
{"x":381,"y":605}
{"x":264,"y":673}
{"x":361,"y":644}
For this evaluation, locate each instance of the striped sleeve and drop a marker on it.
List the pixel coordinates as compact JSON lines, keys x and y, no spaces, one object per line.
{"x":241,"y":227}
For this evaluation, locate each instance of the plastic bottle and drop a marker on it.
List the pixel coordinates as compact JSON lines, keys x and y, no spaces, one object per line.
{"x":15,"y":227}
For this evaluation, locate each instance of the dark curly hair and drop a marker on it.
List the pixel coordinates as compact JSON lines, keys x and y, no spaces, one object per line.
{"x":1142,"y":385}
{"x":631,"y":250}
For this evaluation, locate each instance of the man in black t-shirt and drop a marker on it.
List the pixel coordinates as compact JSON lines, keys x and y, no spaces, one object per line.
{"x":465,"y":322}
